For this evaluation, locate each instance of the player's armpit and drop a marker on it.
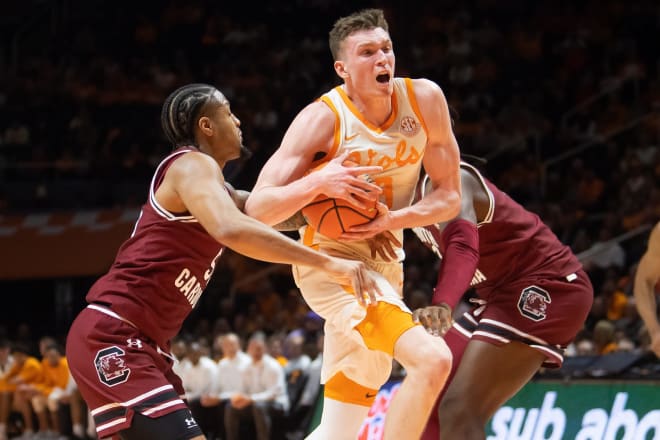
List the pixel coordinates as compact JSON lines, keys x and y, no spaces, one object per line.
{"x":238,"y":195}
{"x":293,"y":223}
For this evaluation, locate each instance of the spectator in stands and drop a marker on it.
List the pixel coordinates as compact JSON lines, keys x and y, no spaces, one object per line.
{"x":604,"y":339}
{"x":276,"y":348}
{"x":303,"y":409}
{"x":179,"y":351}
{"x":230,"y":370}
{"x":293,"y":350}
{"x":630,"y":323}
{"x":22,"y":378}
{"x":6,"y":365}
{"x":228,"y":380}
{"x":606,"y":252}
{"x":264,"y":394}
{"x":615,"y":299}
{"x":198,"y":374}
{"x":585,"y":347}
{"x":51,"y":389}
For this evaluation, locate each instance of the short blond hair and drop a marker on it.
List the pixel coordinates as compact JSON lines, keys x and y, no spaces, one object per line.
{"x":365,"y":19}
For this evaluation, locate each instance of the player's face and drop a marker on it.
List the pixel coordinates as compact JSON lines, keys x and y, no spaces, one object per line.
{"x":368,"y":60}
{"x":227,"y":136}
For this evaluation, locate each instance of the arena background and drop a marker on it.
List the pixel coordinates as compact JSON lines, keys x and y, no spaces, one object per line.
{"x":561,"y":98}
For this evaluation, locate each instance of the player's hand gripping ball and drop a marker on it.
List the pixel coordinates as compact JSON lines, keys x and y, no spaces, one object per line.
{"x":332,"y":217}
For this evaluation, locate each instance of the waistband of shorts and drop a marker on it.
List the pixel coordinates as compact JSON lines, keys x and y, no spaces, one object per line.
{"x":105,"y":310}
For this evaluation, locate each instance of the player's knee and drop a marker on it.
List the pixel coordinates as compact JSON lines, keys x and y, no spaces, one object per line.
{"x":452,"y":409}
{"x":433,"y":361}
{"x":458,"y":410}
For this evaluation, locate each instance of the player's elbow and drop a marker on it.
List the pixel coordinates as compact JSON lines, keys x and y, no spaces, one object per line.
{"x":256,"y":209}
{"x":229,"y":233}
{"x":250,"y":206}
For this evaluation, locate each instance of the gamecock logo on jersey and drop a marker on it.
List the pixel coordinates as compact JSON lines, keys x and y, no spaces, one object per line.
{"x":409,"y":126}
{"x":533,"y":303}
{"x":110,"y":366}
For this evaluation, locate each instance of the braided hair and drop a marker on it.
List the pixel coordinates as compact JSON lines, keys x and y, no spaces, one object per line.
{"x":181,"y":110}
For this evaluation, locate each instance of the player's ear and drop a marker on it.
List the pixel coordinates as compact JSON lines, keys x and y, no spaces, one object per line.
{"x":340,"y":68}
{"x":205,"y":125}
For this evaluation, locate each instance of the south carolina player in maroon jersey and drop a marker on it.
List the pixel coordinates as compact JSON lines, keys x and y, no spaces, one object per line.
{"x":118,"y":347}
{"x":532,"y":299}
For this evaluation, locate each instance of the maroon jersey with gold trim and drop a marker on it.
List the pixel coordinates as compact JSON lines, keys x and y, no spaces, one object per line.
{"x":514,"y":243}
{"x":160,"y":272}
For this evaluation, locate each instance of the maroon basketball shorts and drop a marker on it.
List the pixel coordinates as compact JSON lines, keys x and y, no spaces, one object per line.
{"x":546,"y":314}
{"x":119,"y":371}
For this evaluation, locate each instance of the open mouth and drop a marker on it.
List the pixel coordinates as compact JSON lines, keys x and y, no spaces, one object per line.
{"x":383,"y":78}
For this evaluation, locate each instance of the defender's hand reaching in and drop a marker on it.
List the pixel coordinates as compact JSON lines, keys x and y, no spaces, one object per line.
{"x":383,"y":245}
{"x":355,"y":274}
{"x":436,"y":319}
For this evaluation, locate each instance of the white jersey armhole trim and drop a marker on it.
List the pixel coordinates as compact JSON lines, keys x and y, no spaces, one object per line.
{"x":491,"y":205}
{"x":152,"y":195}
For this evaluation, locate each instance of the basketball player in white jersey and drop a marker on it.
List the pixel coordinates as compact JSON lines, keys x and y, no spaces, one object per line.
{"x":646,"y":280}
{"x":397,"y":124}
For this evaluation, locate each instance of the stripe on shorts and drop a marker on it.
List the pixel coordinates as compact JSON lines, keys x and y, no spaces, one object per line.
{"x":501,"y":333}
{"x":149,"y":403}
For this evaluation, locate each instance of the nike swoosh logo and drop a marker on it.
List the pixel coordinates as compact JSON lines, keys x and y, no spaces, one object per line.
{"x":369,"y":396}
{"x":348,"y":138}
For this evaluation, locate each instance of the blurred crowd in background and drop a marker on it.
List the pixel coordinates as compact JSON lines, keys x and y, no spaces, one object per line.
{"x":561,"y":99}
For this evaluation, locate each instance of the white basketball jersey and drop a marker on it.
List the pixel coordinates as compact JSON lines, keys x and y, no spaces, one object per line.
{"x":397,"y":146}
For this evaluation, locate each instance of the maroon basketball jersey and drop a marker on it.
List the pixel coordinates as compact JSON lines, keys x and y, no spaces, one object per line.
{"x":160,"y":272}
{"x":514,"y":243}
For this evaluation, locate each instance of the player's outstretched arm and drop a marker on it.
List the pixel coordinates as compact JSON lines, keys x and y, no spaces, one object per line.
{"x":647,"y":276}
{"x":293,"y":223}
{"x":196,"y":180}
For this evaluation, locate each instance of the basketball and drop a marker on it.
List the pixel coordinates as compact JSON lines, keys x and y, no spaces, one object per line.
{"x":332,"y":217}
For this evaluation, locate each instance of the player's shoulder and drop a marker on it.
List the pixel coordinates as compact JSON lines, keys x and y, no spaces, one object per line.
{"x":654,"y":240}
{"x":426,"y":87}
{"x":195,"y":156}
{"x":193,"y":162}
{"x":318,"y":110}
{"x":316,"y":122}
{"x":429,"y":97}
{"x":656,"y":230}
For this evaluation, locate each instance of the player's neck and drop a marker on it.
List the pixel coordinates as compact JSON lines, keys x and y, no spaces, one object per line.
{"x":206,"y":148}
{"x":375,"y":109}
